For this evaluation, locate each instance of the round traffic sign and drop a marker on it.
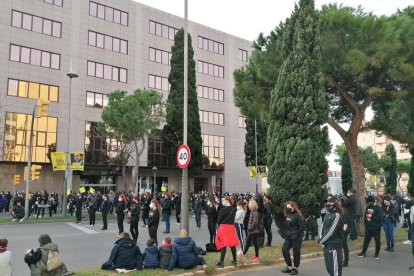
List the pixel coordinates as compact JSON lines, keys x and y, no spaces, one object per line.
{"x":183,"y":156}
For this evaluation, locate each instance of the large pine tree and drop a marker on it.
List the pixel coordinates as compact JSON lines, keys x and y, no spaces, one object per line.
{"x":173,"y":130}
{"x":297,"y":142}
{"x":390,"y":169}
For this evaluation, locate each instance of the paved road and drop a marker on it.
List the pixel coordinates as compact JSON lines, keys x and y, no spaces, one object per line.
{"x":396,"y":263}
{"x":83,"y":246}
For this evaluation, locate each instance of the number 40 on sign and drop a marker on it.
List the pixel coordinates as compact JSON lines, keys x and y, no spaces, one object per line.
{"x":183,"y":156}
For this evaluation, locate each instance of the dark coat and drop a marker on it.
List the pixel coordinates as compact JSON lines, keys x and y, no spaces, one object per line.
{"x":184,"y":254}
{"x":154,"y":218}
{"x":165,"y":255}
{"x":178,"y":205}
{"x":120,"y":209}
{"x":125,"y":254}
{"x":150,"y":257}
{"x":211,"y":213}
{"x":226,"y":215}
{"x":267,"y":213}
{"x":135,"y":210}
{"x":105,"y":207}
{"x":373,"y":217}
{"x":166,"y":206}
{"x":253,"y":225}
{"x":294,"y":226}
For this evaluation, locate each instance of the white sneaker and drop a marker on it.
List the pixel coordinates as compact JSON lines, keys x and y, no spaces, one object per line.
{"x":22,"y":220}
{"x":14,"y":219}
{"x":407,"y":242}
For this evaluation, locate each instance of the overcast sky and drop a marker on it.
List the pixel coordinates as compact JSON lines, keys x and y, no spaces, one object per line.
{"x":247,"y":18}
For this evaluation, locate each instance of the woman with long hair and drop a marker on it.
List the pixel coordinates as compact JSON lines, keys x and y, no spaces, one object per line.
{"x":154,"y":219}
{"x":293,"y":234}
{"x":120,"y":212}
{"x":238,"y":223}
{"x":253,"y":230}
{"x":134,"y":211}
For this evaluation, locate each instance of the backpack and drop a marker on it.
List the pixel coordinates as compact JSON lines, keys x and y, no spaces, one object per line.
{"x":211,"y":247}
{"x":53,"y":260}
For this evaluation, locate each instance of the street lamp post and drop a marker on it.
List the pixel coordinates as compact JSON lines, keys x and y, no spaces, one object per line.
{"x":68,"y":175}
{"x":154,"y":171}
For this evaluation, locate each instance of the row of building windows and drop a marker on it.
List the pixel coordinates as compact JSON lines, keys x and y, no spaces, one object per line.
{"x":162,"y":30}
{"x":213,"y":148}
{"x":210,"y":117}
{"x":108,"y":13}
{"x":97,"y":100}
{"x":35,"y":57}
{"x":54,"y":2}
{"x":210,"y":93}
{"x":243,"y":55}
{"x":158,"y":82}
{"x":108,"y":72}
{"x":210,"y":45}
{"x":159,"y":56}
{"x":33,"y":90}
{"x":210,"y":69}
{"x":108,"y":42}
{"x":98,"y":149}
{"x":36,"y":24}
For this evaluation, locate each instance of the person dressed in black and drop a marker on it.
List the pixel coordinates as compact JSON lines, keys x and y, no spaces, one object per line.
{"x":332,"y":237}
{"x":178,"y":208}
{"x":78,"y":205}
{"x":373,"y":223}
{"x":197,"y":211}
{"x":350,"y":205}
{"x":120,"y":212}
{"x":146,"y":201}
{"x":154,"y":219}
{"x":211,"y":213}
{"x":135,"y":210}
{"x":166,"y":212}
{"x":294,"y":227}
{"x":267,"y":219}
{"x":347,"y":221}
{"x":105,"y":211}
{"x":42,"y":203}
{"x":92,"y":208}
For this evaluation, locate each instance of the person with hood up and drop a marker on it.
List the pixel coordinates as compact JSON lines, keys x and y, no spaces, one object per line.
{"x":185,"y":253}
{"x":150,"y":255}
{"x":47,"y":252}
{"x":125,"y":255}
{"x":5,"y":258}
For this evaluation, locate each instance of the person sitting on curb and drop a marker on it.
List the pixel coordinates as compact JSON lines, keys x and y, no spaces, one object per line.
{"x":185,"y":253}
{"x":45,"y":261}
{"x":150,"y":255}
{"x":18,"y":212}
{"x":125,"y":255}
{"x":165,"y":252}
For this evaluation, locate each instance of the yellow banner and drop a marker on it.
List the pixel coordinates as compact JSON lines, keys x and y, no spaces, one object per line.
{"x":163,"y":189}
{"x":68,"y":192}
{"x":92,"y":190}
{"x":58,"y":161}
{"x":77,"y":161}
{"x":261,"y":171}
{"x":82,"y":190}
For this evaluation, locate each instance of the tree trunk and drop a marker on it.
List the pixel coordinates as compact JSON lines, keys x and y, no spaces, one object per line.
{"x":358,"y":175}
{"x":138,"y":151}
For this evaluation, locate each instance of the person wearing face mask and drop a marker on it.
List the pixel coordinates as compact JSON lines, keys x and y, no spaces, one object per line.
{"x":294,"y":227}
{"x":166,"y":211}
{"x":154,"y":219}
{"x":211,"y":213}
{"x":120,"y":212}
{"x":332,"y":237}
{"x":388,"y":222}
{"x":373,"y":223}
{"x":238,"y":223}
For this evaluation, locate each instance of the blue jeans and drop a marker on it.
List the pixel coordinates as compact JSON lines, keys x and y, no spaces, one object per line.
{"x":388,"y":226}
{"x":166,"y":219}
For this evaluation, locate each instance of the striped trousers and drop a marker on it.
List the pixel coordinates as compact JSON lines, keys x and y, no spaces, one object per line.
{"x":333,"y":259}
{"x":241,"y":235}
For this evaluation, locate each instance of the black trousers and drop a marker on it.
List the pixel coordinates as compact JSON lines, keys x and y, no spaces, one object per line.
{"x":105,"y":220}
{"x":369,"y":234}
{"x":345,"y":247}
{"x":212,"y":227}
{"x":198,"y":219}
{"x":353,"y":229}
{"x":78,"y":214}
{"x":133,"y":228}
{"x":152,"y":231}
{"x":252,"y":237}
{"x":178,"y":216}
{"x":120,"y":220}
{"x":92,"y":217}
{"x":333,"y":259}
{"x":296,"y":244}
{"x":41,"y":209}
{"x":268,"y":228}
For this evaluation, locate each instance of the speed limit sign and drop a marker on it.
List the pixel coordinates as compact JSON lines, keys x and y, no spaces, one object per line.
{"x":183,"y":156}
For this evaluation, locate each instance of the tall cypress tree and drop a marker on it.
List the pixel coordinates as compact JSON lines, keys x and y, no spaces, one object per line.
{"x":390,"y":169}
{"x":173,"y":130}
{"x":297,"y":142}
{"x":346,"y":176}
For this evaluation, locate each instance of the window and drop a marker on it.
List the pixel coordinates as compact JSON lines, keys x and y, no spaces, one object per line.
{"x":36,"y":24}
{"x":98,"y":149}
{"x":210,"y":45}
{"x":158,"y":82}
{"x":97,"y":100}
{"x":213,"y":118}
{"x":210,"y":69}
{"x":159,"y":56}
{"x":242,"y":122}
{"x":157,"y":152}
{"x":17,"y":133}
{"x":242,"y":55}
{"x":162,"y":30}
{"x":107,"y":42}
{"x":54,"y":2}
{"x":108,"y":72}
{"x":108,"y":13}
{"x":210,"y":93}
{"x":33,"y":90}
{"x":35,"y":57}
{"x":213,"y":148}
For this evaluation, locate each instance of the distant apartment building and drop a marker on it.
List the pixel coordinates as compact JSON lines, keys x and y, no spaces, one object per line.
{"x":111,"y":45}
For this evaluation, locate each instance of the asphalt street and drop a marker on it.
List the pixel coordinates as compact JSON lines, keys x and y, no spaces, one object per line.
{"x":82,"y":246}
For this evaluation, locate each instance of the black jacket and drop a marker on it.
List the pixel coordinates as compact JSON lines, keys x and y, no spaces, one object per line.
{"x":226,"y":215}
{"x":166,"y":206}
{"x":178,"y":205}
{"x":373,"y":217}
{"x":254,"y":221}
{"x":211,"y":213}
{"x":154,"y":218}
{"x":135,"y":210}
{"x":294,"y":226}
{"x":388,"y":212}
{"x":125,"y":254}
{"x":164,"y":253}
{"x":105,"y":207}
{"x":350,"y":204}
{"x":120,"y":209}
{"x":332,"y":229}
{"x":267,"y":213}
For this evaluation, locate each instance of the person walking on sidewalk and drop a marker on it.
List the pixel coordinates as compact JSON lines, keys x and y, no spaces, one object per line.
{"x":373,"y":223}
{"x":332,"y":237}
{"x":293,"y":234}
{"x":388,"y":222}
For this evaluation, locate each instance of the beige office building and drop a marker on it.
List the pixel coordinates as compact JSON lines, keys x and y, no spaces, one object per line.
{"x":111,"y":44}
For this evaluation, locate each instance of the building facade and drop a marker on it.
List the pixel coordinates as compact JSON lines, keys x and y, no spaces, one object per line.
{"x":112,"y":45}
